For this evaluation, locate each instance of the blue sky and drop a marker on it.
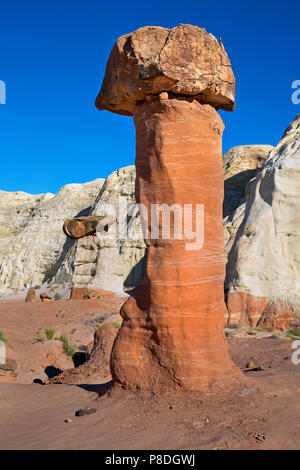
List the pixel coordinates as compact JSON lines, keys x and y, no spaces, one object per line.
{"x":53,"y":57}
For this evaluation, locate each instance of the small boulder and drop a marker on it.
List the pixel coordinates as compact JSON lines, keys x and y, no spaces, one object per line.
{"x":45,"y":297}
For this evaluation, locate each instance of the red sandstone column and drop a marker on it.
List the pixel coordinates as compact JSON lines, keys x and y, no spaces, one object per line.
{"x":173,"y":325}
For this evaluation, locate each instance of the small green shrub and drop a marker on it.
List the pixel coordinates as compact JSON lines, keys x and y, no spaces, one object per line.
{"x":49,"y":332}
{"x":99,"y":325}
{"x":69,"y":347}
{"x":116,"y":325}
{"x":292,"y":333}
{"x":3,"y":337}
{"x":296,"y":331}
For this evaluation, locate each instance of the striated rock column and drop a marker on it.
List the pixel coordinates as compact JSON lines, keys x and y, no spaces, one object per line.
{"x":173,"y":325}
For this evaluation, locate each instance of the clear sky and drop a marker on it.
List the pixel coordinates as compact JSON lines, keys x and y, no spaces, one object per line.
{"x":53,"y":57}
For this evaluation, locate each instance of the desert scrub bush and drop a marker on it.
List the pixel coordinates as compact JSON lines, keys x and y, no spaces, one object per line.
{"x":116,"y":325}
{"x":49,"y":332}
{"x":69,"y":347}
{"x":99,"y":325}
{"x":3,"y":337}
{"x":292,"y":333}
{"x":58,"y":296}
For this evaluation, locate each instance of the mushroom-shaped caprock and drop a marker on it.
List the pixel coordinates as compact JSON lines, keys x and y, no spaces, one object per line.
{"x":172,"y":81}
{"x":185,"y":60}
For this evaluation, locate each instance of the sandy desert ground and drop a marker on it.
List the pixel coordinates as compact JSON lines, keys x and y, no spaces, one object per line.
{"x":258,"y":411}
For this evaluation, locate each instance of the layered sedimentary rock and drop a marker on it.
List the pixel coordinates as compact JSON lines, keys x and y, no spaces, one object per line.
{"x":240,"y":165}
{"x":263,"y":271}
{"x":172,"y":332}
{"x":37,"y":245}
{"x":106,"y":256}
{"x":15,"y":211}
{"x":77,"y":263}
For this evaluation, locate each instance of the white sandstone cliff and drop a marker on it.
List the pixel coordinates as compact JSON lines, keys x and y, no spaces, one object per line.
{"x":106,"y":260}
{"x":32,"y":241}
{"x":263,"y":270}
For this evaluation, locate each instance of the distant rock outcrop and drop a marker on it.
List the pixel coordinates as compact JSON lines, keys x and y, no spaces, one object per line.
{"x":240,"y":165}
{"x":93,"y":261}
{"x":96,"y":370}
{"x":263,"y":270}
{"x":172,"y":82}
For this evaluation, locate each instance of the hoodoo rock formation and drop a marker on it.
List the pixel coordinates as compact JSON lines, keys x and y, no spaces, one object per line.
{"x":172,"y":82}
{"x":263,"y":271}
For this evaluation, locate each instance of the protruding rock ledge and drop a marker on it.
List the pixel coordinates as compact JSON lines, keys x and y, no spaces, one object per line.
{"x":84,"y":226}
{"x":185,"y":60}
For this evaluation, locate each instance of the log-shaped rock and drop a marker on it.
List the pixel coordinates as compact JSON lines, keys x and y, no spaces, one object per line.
{"x":84,"y":226}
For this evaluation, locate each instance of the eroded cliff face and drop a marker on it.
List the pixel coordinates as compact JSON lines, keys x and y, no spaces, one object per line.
{"x":93,"y":262}
{"x":32,"y":242}
{"x":15,"y":211}
{"x":240,"y":165}
{"x":108,"y":260}
{"x":263,"y":271}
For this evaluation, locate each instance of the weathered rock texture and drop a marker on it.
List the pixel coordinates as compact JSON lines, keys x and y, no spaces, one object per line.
{"x":240,"y":164}
{"x":172,"y":332}
{"x":81,"y":263}
{"x":103,"y":260}
{"x":81,"y":226}
{"x":30,"y":297}
{"x":15,"y":209}
{"x":96,"y":370}
{"x":185,"y":60}
{"x":263,"y":271}
{"x":34,"y":244}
